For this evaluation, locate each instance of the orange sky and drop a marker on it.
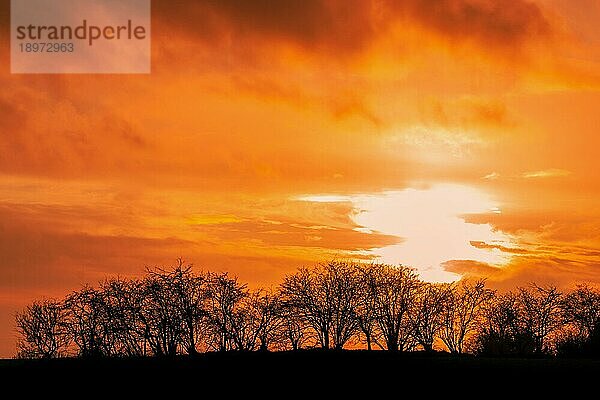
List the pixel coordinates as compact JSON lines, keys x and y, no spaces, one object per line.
{"x":456,"y":136}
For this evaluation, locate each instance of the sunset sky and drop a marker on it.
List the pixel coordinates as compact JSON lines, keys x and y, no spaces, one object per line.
{"x":460,"y":137}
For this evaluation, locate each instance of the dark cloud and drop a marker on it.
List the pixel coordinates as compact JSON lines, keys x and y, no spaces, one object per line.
{"x":349,"y":26}
{"x":37,"y":139}
{"x":346,"y":104}
{"x":546,"y":271}
{"x":467,"y":113}
{"x":489,"y":22}
{"x":470,"y":268}
{"x":553,"y":226}
{"x":38,"y":255}
{"x":515,"y":221}
{"x":48,"y":249}
{"x":530,"y":268}
{"x":343,"y":25}
{"x":487,"y":246}
{"x":331,"y":25}
{"x":271,"y":233}
{"x":11,"y":113}
{"x":4,"y":17}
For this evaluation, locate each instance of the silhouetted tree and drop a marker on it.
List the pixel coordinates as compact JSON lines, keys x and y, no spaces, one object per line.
{"x":366,"y":309}
{"x":326,"y":298}
{"x":190,"y":294}
{"x":427,"y":313}
{"x":122,"y":311}
{"x":295,"y":330}
{"x":223,"y":297}
{"x":343,"y":279}
{"x":462,"y":312}
{"x":267,"y":305}
{"x":580,"y":335}
{"x":42,"y":327}
{"x":88,"y":323}
{"x":395,"y":292}
{"x":503,"y":329}
{"x":541,"y":312}
{"x":256,"y":321}
{"x":161,"y":312}
{"x":311,"y":301}
{"x":581,"y":308}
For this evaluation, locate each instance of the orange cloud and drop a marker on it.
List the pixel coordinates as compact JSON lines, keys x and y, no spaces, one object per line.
{"x":483,"y":245}
{"x":546,"y":173}
{"x":470,"y":268}
{"x":487,"y":22}
{"x":347,"y":26}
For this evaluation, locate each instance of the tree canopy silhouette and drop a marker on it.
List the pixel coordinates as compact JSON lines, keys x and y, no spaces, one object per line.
{"x":333,"y":305}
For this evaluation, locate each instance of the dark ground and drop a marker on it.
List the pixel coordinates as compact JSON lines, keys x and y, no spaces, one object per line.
{"x":309,"y":373}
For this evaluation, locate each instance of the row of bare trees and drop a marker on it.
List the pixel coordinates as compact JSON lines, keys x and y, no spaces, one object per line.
{"x":333,"y":305}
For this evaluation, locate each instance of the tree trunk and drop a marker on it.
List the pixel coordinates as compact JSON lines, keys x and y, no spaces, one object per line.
{"x":263,"y":346}
{"x":392,"y":344}
{"x":192,"y":346}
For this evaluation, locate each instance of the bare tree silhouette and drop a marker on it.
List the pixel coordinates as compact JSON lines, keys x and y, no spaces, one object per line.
{"x":302,"y":293}
{"x":87,"y":323}
{"x":295,"y":330}
{"x":190,"y":294}
{"x":366,"y":310}
{"x":249,"y":321}
{"x":178,"y":311}
{"x":462,"y":313}
{"x":581,"y":308}
{"x":122,"y":302}
{"x":542,"y":312}
{"x":427,"y":313}
{"x":503,"y":329}
{"x":224,"y":295}
{"x":345,"y":296}
{"x":42,"y":327}
{"x":267,"y":306}
{"x":161,"y":313}
{"x":326,"y":298}
{"x":395,"y":292}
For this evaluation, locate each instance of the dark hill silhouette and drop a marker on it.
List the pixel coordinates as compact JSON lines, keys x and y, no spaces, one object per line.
{"x":305,"y":373}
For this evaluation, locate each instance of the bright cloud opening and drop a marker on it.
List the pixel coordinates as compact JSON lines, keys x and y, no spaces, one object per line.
{"x":431,"y":225}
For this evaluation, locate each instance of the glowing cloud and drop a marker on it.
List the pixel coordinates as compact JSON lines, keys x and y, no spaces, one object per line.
{"x":430,"y":223}
{"x":547,"y":173}
{"x":492,"y":177}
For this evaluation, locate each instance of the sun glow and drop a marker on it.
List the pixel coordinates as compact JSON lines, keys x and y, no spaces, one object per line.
{"x":431,"y":225}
